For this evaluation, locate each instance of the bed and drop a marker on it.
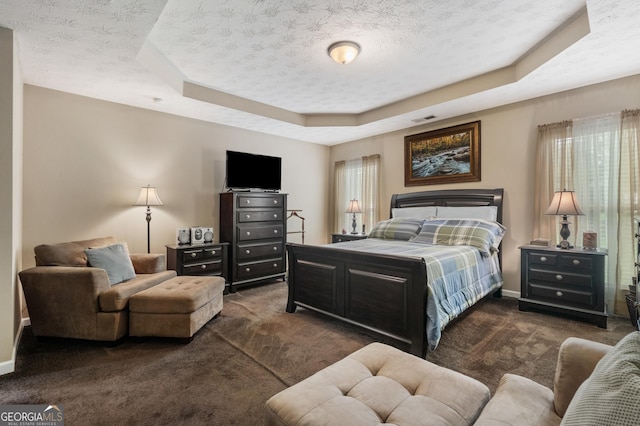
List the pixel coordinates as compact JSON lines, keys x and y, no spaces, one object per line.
{"x":398,"y":282}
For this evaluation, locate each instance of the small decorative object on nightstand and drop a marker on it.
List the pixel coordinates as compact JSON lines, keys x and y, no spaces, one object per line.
{"x":568,"y":281}
{"x":564,"y":203}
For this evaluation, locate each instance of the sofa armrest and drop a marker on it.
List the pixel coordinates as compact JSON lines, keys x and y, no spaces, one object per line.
{"x":148,"y":263}
{"x":63,"y":300}
{"x":576,"y":360}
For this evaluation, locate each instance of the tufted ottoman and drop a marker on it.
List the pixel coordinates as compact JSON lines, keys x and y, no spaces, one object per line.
{"x":380,"y":384}
{"x":178,"y":307}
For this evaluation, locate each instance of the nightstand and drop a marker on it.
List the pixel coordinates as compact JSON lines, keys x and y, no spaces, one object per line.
{"x":338,"y":238}
{"x":567,"y":281}
{"x":198,"y":259}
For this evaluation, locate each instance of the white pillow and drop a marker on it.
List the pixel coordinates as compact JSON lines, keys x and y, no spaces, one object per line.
{"x":480,"y":212}
{"x":414,"y":212}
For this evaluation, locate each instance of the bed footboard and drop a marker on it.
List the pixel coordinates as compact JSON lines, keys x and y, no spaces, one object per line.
{"x":382,"y":293}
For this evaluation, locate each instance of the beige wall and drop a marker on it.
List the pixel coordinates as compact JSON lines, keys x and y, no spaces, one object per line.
{"x":10,"y":197}
{"x":508,"y":137}
{"x":85,"y":160}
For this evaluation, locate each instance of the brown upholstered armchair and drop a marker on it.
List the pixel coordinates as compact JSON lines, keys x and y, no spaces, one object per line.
{"x":68,"y":297}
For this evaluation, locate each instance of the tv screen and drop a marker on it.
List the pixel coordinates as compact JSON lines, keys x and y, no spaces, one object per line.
{"x":253,"y":171}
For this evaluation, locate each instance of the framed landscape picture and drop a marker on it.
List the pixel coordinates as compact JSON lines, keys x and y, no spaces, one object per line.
{"x":441,"y":156}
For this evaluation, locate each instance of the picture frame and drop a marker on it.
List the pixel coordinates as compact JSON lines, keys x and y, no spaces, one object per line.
{"x":197,"y":235}
{"x":448,"y":155}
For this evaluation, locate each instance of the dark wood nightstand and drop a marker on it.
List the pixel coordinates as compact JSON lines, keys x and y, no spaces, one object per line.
{"x":568,"y":281}
{"x":198,"y":259}
{"x":338,"y":238}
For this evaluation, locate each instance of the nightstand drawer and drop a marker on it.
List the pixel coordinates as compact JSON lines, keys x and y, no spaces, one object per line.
{"x":536,"y":258}
{"x":562,"y":296}
{"x":195,"y":255}
{"x":560,"y":278}
{"x":203,"y":268}
{"x":582,"y":263}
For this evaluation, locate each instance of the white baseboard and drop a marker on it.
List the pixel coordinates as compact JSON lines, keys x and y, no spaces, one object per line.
{"x":7,"y":367}
{"x":511,"y":294}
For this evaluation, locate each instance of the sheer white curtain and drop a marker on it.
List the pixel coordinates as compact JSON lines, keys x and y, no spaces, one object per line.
{"x":598,"y":158}
{"x":357,"y":179}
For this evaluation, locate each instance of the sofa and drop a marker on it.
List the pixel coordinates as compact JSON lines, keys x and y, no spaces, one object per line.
{"x":595,"y":384}
{"x":81,"y":289}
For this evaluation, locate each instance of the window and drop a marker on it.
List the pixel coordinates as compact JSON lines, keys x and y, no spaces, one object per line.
{"x":356,"y":179}
{"x":598,"y":158}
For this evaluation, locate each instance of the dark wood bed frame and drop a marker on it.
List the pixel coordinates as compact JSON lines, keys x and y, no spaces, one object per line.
{"x":382,"y":293}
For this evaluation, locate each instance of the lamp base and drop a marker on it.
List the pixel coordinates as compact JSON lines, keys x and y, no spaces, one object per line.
{"x":564,"y":244}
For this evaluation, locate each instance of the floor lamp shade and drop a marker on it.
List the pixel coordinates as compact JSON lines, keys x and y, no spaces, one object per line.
{"x":148,"y":197}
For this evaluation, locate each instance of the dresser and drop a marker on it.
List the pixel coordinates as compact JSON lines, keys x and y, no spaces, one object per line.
{"x":567,"y":281}
{"x":254,"y":224}
{"x":198,"y":259}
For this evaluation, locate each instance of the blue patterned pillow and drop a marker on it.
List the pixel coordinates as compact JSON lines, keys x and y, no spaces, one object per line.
{"x":481,"y":234}
{"x":400,"y":228}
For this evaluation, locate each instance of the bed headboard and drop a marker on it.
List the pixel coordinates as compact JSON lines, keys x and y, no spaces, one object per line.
{"x":450,"y":197}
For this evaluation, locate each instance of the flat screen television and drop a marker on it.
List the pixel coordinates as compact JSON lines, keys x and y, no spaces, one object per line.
{"x":247,"y":171}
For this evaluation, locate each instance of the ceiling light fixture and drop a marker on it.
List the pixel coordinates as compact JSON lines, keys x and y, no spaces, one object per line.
{"x":343,"y":52}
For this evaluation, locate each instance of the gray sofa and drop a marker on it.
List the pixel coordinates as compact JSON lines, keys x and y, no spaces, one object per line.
{"x":68,"y":297}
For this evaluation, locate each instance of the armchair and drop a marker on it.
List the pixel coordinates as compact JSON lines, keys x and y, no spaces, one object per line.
{"x":66,"y":297}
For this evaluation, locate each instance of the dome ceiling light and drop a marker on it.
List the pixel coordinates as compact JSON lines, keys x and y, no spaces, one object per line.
{"x":343,"y":52}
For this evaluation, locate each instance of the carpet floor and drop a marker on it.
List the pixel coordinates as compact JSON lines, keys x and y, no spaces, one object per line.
{"x":255,"y":349}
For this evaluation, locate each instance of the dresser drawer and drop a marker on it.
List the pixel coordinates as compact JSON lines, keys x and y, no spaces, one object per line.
{"x":563,"y":296}
{"x":576,"y":262}
{"x":272,"y":215}
{"x":249,"y":200}
{"x":252,"y":251}
{"x":536,"y":258}
{"x":204,"y":268}
{"x":196,"y":255}
{"x":247,"y":270}
{"x":250,"y":233}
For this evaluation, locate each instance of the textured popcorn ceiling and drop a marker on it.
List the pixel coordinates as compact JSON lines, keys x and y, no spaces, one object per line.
{"x":262,"y":64}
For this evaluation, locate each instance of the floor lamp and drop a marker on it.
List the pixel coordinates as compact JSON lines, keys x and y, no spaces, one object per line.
{"x":148,"y":197}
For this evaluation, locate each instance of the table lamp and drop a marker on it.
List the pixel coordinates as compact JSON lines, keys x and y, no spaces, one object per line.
{"x":354,"y":207}
{"x":564,"y":203}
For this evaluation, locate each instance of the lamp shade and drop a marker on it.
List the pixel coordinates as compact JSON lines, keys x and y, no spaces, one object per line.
{"x":354,"y":207}
{"x":564,"y":203}
{"x":343,"y":52}
{"x":148,"y":197}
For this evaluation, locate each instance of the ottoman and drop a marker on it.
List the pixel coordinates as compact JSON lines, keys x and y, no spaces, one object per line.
{"x":178,"y":307}
{"x":380,"y":384}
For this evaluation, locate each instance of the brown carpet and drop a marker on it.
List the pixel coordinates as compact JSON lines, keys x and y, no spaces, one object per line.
{"x":253,"y":350}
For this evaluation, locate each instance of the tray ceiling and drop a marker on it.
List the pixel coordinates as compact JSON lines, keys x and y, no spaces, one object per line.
{"x":262,"y":65}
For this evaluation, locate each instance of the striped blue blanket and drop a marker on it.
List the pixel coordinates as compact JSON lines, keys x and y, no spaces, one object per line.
{"x":457,"y":277}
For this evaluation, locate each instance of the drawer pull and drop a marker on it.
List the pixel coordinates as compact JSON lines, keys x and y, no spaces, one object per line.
{"x":203,"y":267}
{"x":275,"y":201}
{"x":248,"y":251}
{"x":193,"y":254}
{"x":559,"y":294}
{"x":275,"y":231}
{"x":248,"y":216}
{"x":559,"y":277}
{"x":275,"y":265}
{"x":576,"y":262}
{"x":543,"y":259}
{"x":275,"y":215}
{"x":248,"y":233}
{"x":247,"y":269}
{"x":248,"y":201}
{"x":213,"y":252}
{"x":275,"y":248}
